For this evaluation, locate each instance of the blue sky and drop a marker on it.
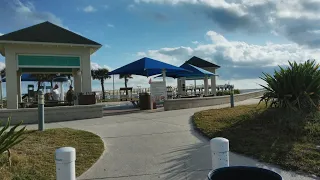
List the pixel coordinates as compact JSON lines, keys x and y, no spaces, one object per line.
{"x":244,"y":37}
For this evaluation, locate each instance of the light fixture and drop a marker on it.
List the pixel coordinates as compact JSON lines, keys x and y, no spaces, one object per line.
{"x":58,"y":74}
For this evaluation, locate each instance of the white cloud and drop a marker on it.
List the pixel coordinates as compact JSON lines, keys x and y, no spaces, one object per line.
{"x":110,"y":25}
{"x":297,"y":20}
{"x":89,"y":9}
{"x":131,"y":6}
{"x":2,"y":65}
{"x":195,"y":42}
{"x":238,"y":60}
{"x":107,"y":46}
{"x":25,"y":13}
{"x":95,"y":65}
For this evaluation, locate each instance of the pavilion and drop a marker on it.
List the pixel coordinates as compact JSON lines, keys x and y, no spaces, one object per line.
{"x":45,"y":48}
{"x":208,"y":66}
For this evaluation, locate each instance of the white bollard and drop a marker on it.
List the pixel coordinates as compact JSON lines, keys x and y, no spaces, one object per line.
{"x":219,"y":152}
{"x":65,"y":158}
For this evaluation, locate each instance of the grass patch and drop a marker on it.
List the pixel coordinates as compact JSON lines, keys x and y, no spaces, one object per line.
{"x":271,"y":135}
{"x":34,"y":157}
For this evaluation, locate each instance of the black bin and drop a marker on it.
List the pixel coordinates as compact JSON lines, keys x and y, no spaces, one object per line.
{"x":243,"y":173}
{"x":144,"y":101}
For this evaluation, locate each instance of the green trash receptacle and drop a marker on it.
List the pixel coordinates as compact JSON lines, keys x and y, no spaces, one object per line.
{"x":243,"y":173}
{"x":144,"y":101}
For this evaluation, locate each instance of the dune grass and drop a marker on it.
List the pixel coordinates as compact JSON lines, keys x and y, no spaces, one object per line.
{"x":34,"y":157}
{"x":287,"y":139}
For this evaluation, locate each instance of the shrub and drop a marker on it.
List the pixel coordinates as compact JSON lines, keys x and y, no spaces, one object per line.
{"x":296,"y":87}
{"x":10,"y":138}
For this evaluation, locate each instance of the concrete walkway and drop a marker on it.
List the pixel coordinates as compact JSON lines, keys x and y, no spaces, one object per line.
{"x":159,"y":145}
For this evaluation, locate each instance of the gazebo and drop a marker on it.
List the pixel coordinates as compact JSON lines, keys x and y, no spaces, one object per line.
{"x":201,"y":63}
{"x":45,"y":48}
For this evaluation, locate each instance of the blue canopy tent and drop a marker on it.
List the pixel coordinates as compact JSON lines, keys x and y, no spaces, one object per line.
{"x":193,"y":74}
{"x":147,"y":67}
{"x":24,"y":77}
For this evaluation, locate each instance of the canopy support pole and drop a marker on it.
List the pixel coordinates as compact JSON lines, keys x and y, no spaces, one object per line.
{"x":113,"y":87}
{"x":195,"y":87}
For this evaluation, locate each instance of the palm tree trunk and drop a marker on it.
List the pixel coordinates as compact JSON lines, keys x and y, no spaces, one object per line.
{"x":102,"y":88}
{"x":125,"y":84}
{"x":38,"y":86}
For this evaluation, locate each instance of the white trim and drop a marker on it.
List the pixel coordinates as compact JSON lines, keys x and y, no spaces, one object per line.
{"x":50,"y":43}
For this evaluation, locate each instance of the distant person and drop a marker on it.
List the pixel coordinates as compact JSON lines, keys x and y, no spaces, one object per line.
{"x":70,"y":96}
{"x":55,"y":93}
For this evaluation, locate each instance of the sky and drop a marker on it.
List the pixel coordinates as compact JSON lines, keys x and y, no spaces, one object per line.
{"x":244,"y":37}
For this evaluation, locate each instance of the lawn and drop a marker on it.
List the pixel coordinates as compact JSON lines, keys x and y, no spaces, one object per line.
{"x":34,"y":157}
{"x":270,"y":135}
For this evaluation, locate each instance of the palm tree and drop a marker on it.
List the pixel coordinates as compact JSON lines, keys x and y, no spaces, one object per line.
{"x":126,"y":78}
{"x":100,"y":74}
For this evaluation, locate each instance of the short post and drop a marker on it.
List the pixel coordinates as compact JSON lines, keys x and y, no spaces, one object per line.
{"x":40,"y":111}
{"x":231,"y":98}
{"x":65,"y":158}
{"x":219,"y":152}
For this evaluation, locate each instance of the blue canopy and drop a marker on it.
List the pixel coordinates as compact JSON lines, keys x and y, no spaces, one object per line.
{"x":194,"y":72}
{"x":147,"y":67}
{"x":24,"y":77}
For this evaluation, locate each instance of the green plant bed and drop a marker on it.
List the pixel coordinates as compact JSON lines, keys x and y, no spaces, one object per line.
{"x":33,"y":158}
{"x":271,"y":135}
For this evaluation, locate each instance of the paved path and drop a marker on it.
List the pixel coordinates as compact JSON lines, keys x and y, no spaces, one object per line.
{"x":159,"y":145}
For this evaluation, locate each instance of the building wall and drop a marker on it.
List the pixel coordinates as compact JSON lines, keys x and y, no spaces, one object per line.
{"x":185,"y":103}
{"x":12,"y":50}
{"x":52,"y":114}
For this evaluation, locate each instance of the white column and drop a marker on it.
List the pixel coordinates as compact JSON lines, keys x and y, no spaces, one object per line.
{"x":19,"y":86}
{"x":11,"y":79}
{"x":77,"y":81}
{"x":165,"y":84}
{"x":206,"y":89}
{"x":61,"y":92}
{"x":213,"y":85}
{"x":65,"y":158}
{"x":86,"y":72}
{"x":179,"y":86}
{"x":219,"y":152}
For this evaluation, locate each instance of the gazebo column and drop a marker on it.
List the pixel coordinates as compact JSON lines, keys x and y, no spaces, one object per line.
{"x":11,"y":79}
{"x":206,"y":88}
{"x":179,"y":86}
{"x":19,"y":86}
{"x":86,"y":72}
{"x":77,"y":82}
{"x":213,"y":85}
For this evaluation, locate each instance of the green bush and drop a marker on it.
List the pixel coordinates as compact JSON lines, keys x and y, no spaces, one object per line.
{"x":296,"y":87}
{"x":9,"y":138}
{"x":227,"y":92}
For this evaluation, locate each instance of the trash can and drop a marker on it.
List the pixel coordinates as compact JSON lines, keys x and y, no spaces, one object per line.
{"x":243,"y":172}
{"x":144,"y":101}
